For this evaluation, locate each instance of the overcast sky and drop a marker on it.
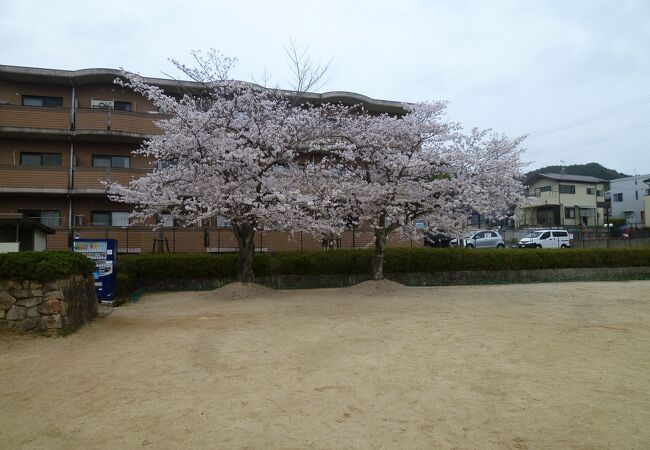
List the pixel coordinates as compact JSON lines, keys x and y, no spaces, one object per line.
{"x":576,"y":72}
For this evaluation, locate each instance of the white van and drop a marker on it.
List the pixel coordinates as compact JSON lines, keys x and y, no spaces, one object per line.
{"x":550,"y":238}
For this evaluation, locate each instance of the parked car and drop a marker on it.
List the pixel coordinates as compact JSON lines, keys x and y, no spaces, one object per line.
{"x":547,"y":239}
{"x":436,"y":240}
{"x":480,"y":239}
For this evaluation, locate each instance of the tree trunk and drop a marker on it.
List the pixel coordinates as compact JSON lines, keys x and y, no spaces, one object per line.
{"x":378,"y":258}
{"x":245,"y":235}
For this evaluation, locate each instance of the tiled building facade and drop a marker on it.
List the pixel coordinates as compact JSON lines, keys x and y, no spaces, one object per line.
{"x":63,"y":132}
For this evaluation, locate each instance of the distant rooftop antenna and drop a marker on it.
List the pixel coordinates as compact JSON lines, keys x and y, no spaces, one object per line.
{"x":563,"y":163}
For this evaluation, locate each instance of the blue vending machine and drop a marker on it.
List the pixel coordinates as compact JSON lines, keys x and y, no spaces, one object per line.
{"x":104,"y":253}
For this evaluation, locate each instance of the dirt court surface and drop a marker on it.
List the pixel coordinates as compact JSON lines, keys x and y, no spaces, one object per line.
{"x":539,"y":366}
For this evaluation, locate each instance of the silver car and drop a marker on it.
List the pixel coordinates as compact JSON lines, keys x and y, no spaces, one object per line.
{"x":480,"y":239}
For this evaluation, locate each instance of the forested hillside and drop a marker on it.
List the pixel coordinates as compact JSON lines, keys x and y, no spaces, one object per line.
{"x":591,"y":169}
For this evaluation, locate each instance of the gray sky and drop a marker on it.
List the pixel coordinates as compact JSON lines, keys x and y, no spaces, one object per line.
{"x":513,"y":66}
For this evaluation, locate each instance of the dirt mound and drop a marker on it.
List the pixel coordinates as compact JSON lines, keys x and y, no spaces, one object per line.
{"x":238,"y":291}
{"x":372,"y":288}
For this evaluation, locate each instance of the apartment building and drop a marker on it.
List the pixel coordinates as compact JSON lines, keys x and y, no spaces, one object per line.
{"x":64,"y":132}
{"x":564,"y":200}
{"x":627,"y":196}
{"x":646,"y":202}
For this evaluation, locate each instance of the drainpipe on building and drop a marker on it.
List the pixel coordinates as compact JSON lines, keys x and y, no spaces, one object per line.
{"x":71,"y":162}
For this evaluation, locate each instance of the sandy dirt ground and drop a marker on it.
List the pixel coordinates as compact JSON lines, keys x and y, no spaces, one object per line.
{"x":541,"y":366}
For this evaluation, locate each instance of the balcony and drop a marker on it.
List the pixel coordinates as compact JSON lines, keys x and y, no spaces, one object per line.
{"x":22,"y":119}
{"x":115,"y":123}
{"x":89,"y":179}
{"x":30,"y":179}
{"x":544,"y":198}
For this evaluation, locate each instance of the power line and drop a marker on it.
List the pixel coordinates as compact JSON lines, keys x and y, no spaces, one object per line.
{"x":623,"y":107}
{"x":596,"y":139}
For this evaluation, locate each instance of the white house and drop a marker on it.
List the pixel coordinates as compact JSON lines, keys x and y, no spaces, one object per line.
{"x":627,"y":199}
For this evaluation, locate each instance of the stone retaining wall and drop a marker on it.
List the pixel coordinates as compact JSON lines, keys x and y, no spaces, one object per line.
{"x":29,"y":305}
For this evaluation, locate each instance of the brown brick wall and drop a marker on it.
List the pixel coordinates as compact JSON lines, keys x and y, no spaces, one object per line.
{"x":10,"y":149}
{"x":14,"y":204}
{"x":12,"y":92}
{"x":191,"y":240}
{"x":84,"y":152}
{"x":84,"y":206}
{"x":33,"y":177}
{"x":111,"y":120}
{"x":34,"y":117}
{"x":101,"y":91}
{"x":92,"y":177}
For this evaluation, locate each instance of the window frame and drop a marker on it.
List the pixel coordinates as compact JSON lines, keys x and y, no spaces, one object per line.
{"x":111,"y":218}
{"x":40,"y":155}
{"x":37,"y":214}
{"x":44,"y":99}
{"x":618,"y":197}
{"x":111,"y":159}
{"x":119,"y":105}
{"x":569,"y":213}
{"x":567,"y":189}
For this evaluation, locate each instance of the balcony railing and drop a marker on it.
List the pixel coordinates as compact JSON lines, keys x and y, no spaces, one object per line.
{"x":86,"y":120}
{"x":111,"y":120}
{"x":33,"y":178}
{"x":15,"y":116}
{"x":92,"y":177}
{"x":545,"y":198}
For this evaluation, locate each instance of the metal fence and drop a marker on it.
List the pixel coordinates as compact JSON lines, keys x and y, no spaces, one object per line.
{"x":591,"y":237}
{"x":136,"y":240}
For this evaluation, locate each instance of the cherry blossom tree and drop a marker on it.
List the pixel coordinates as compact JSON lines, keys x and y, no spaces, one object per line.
{"x":223,"y":142}
{"x":387,"y":172}
{"x":219,"y":154}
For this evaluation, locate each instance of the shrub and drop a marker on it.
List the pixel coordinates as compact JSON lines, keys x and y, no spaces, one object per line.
{"x":43,"y":266}
{"x":397,"y":260}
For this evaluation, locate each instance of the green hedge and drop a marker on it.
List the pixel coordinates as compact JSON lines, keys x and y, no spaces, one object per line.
{"x":43,"y":266}
{"x":135,"y":269}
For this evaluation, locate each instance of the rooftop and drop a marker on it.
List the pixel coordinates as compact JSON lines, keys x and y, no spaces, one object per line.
{"x":567,"y":177}
{"x":102,"y":75}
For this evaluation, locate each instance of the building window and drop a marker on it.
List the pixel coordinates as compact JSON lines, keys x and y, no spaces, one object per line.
{"x":40,"y":159}
{"x":41,"y":101}
{"x":636,"y":194}
{"x":618,"y":197}
{"x":111,"y":104}
{"x":121,"y":162}
{"x":123,"y":106}
{"x":591,"y":191}
{"x":567,"y":189}
{"x":164,"y":164}
{"x":222,"y":222}
{"x":48,"y":218}
{"x":109,"y":219}
{"x":167,"y":220}
{"x":569,"y":213}
{"x":599,"y":193}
